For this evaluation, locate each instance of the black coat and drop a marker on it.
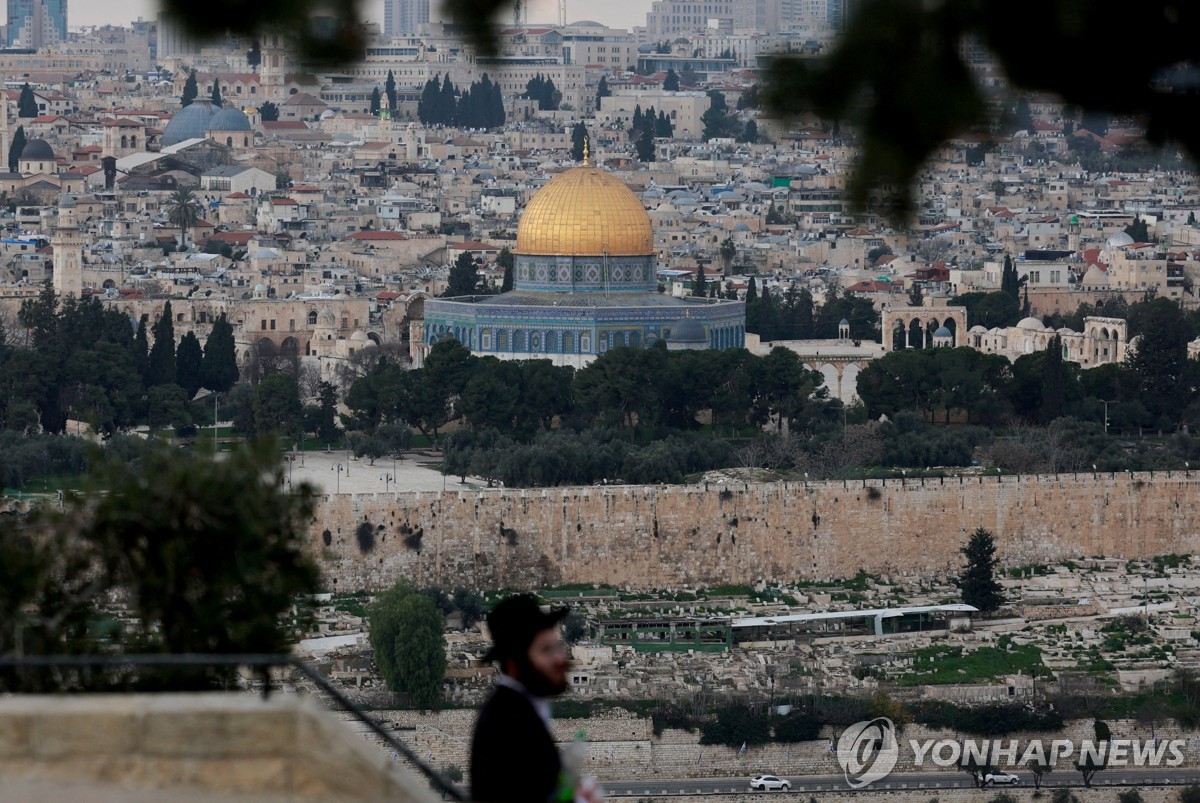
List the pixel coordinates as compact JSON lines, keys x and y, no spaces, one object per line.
{"x":513,"y":757}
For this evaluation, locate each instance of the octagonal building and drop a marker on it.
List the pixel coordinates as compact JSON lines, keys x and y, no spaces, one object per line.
{"x":584,"y":282}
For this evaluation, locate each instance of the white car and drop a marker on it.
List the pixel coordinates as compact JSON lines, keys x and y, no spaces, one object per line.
{"x":764,"y":782}
{"x":1001,"y":778}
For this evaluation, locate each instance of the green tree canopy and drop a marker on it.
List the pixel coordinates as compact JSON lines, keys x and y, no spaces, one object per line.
{"x":277,"y":405}
{"x":208,"y":555}
{"x":183,"y":210}
{"x":464,"y":277}
{"x":410,"y":647}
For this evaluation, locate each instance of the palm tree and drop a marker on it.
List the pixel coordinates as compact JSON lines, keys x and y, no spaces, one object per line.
{"x":183,"y":209}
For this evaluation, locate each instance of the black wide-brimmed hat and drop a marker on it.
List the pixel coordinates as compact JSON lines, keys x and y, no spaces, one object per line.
{"x":515,"y":622}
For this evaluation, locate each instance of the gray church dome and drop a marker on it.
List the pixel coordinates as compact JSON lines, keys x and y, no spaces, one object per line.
{"x":189,"y":122}
{"x":687,"y":330}
{"x":229,"y":118}
{"x":38,"y":149}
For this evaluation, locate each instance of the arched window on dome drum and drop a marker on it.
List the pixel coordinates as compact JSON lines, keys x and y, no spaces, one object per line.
{"x":568,"y":342}
{"x":551,"y":342}
{"x":635,"y":339}
{"x":585,"y":343}
{"x":229,"y":141}
{"x":502,"y":340}
{"x":518,"y":340}
{"x":603,"y":347}
{"x":124,"y":141}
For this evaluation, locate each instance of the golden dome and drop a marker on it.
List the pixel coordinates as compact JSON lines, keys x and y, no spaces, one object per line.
{"x":585,"y":212}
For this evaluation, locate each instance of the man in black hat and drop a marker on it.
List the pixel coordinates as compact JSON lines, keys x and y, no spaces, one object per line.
{"x":513,"y":757}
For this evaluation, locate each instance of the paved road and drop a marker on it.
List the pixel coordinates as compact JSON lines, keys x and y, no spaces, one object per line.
{"x":899,"y":782}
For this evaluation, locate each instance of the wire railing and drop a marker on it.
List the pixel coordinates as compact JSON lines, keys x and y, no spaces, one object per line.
{"x":265,"y":662}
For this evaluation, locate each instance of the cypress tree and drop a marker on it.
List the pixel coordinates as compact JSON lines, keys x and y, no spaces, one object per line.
{"x":448,"y":106}
{"x":218,"y":369}
{"x":578,"y":137}
{"x":645,"y":144}
{"x":27,"y":104}
{"x":663,"y":127}
{"x":1054,"y":382}
{"x":506,"y":261}
{"x":216,"y":93}
{"x":141,"y":346}
{"x":1009,"y":282}
{"x":752,"y":291}
{"x":188,"y":360}
{"x":497,"y":106}
{"x":190,"y":90}
{"x":550,"y":96}
{"x":161,"y":368}
{"x":390,"y":89}
{"x":698,"y":286}
{"x":428,"y":105}
{"x":978,"y":583}
{"x":376,"y":101}
{"x":636,"y":125}
{"x":14,"y":150}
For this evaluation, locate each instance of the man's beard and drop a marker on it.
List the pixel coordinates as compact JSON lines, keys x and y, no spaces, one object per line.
{"x":538,"y":684}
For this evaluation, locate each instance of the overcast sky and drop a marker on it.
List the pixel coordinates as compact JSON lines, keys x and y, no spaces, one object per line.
{"x":617,"y":13}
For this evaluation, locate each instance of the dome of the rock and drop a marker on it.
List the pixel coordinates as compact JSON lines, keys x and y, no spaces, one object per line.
{"x":585,"y":212}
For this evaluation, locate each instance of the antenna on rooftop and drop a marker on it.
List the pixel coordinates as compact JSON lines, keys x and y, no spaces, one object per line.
{"x":562,"y":13}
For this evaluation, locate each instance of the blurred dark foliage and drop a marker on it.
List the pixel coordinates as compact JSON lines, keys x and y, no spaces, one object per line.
{"x":899,"y":76}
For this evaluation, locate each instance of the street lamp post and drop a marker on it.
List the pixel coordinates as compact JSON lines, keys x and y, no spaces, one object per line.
{"x":387,"y":480}
{"x":1105,"y":403}
{"x":339,"y":469}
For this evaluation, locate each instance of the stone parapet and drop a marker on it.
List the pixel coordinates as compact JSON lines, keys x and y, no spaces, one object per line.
{"x":214,"y":743}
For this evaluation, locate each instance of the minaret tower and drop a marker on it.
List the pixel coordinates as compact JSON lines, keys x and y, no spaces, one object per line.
{"x":5,"y":137}
{"x":68,"y":250}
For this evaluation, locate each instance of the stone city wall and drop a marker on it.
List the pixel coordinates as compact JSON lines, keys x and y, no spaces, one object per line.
{"x":644,"y":537}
